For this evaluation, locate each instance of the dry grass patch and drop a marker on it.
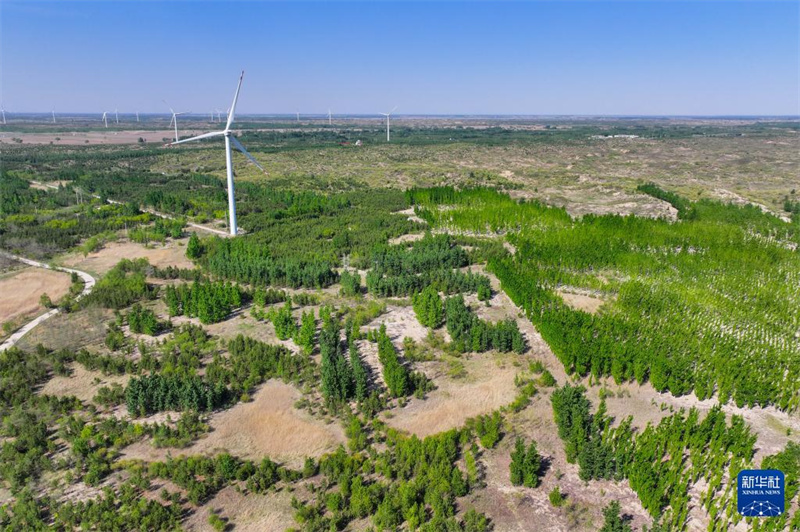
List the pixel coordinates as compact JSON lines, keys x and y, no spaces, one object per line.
{"x":247,"y":513}
{"x":82,"y":383}
{"x":20,"y":291}
{"x":170,"y":254}
{"x":269,"y":425}
{"x":486,"y":385}
{"x":85,"y":328}
{"x":582,"y":302}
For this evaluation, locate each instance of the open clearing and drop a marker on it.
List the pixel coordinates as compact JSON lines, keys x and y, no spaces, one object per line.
{"x":517,"y":508}
{"x":170,"y":254}
{"x":85,"y":328}
{"x":20,"y":291}
{"x":252,"y":512}
{"x":82,"y":383}
{"x":581,"y":301}
{"x":269,"y":425}
{"x":487,"y":385}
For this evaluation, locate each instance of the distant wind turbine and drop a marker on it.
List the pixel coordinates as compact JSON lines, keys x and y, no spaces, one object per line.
{"x":137,"y":116}
{"x":3,"y":110}
{"x":116,"y":116}
{"x":104,"y":119}
{"x":175,"y":118}
{"x":387,"y":115}
{"x":219,"y":115}
{"x":329,"y":117}
{"x":54,"y":115}
{"x":229,"y":139}
{"x":298,"y":116}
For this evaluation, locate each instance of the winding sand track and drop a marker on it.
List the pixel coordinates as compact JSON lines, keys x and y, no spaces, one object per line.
{"x":88,"y":284}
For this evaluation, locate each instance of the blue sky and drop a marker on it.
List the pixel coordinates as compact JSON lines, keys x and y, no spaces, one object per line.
{"x":569,"y":57}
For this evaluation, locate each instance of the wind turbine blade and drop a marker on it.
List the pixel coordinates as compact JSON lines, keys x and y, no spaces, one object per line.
{"x":246,"y":153}
{"x":393,"y":109}
{"x":233,"y":105}
{"x":198,"y":137}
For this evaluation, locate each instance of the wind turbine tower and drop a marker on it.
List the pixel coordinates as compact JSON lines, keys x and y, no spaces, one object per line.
{"x":229,"y":139}
{"x":329,"y":118}
{"x":174,"y":120}
{"x":105,"y":119}
{"x":387,"y":115}
{"x":54,"y":115}
{"x":116,"y":116}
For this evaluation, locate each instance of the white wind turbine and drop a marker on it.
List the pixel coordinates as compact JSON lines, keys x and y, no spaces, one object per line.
{"x":329,"y":118}
{"x":116,"y":116}
{"x":175,"y":118}
{"x":219,"y":115}
{"x":137,"y":116}
{"x":387,"y":115}
{"x":229,"y":139}
{"x":54,"y":115}
{"x":3,"y":110}
{"x":105,"y":119}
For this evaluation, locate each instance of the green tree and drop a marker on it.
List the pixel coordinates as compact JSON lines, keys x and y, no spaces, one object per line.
{"x":194,"y":248}
{"x":612,"y":520}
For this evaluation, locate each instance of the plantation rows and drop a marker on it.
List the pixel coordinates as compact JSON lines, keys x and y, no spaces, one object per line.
{"x":701,"y":306}
{"x":665,"y":461}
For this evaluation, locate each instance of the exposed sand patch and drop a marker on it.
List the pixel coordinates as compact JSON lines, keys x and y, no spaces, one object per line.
{"x":269,"y":425}
{"x":83,"y":383}
{"x":644,"y":404}
{"x":521,"y":509}
{"x":488,"y":385}
{"x":403,"y":239}
{"x":400,"y":322}
{"x":581,"y":301}
{"x":170,"y":254}
{"x":20,"y":291}
{"x":411,"y":215}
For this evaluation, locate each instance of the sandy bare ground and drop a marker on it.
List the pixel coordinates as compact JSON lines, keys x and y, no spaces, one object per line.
{"x":411,"y":215}
{"x":645,"y":405}
{"x":581,"y":301}
{"x":488,"y":385}
{"x":83,"y":383}
{"x":99,"y":137}
{"x":528,"y":509}
{"x":171,"y":254}
{"x":269,"y":425}
{"x":247,"y":513}
{"x":20,"y":291}
{"x":407,"y":238}
{"x":400,"y":322}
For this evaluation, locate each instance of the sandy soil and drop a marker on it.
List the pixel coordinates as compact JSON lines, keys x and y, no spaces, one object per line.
{"x":83,"y":383}
{"x":20,"y":291}
{"x":528,"y":509}
{"x":247,"y":513}
{"x":644,"y":404}
{"x":400,"y":322}
{"x":408,"y":238}
{"x":488,"y":385}
{"x":171,"y":254}
{"x":267,"y":426}
{"x":581,"y":301}
{"x":100,"y":137}
{"x":411,"y":215}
